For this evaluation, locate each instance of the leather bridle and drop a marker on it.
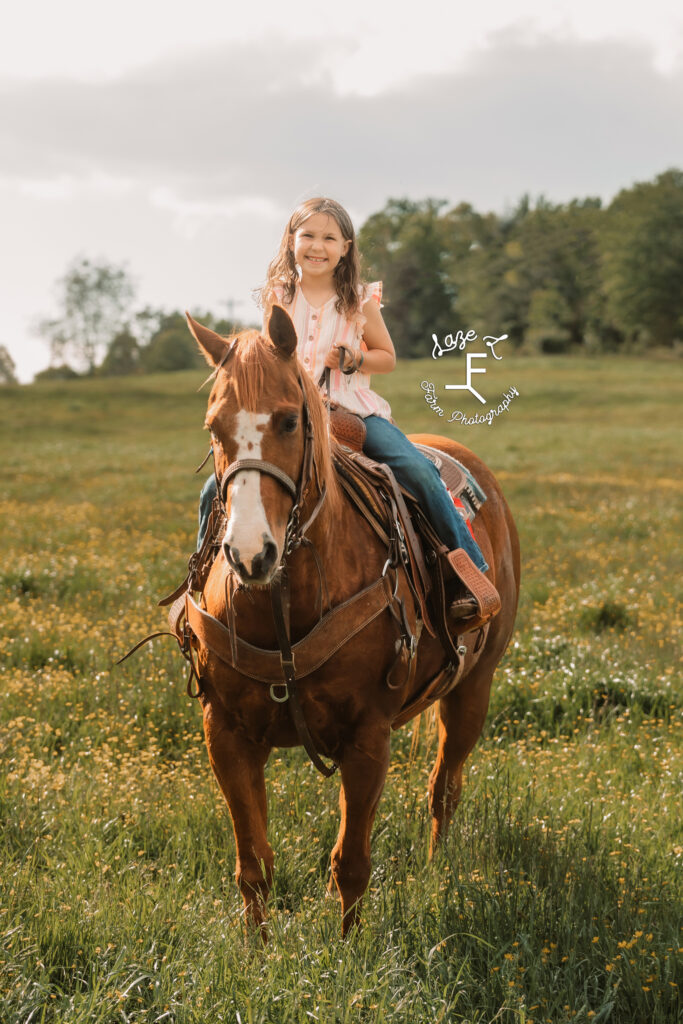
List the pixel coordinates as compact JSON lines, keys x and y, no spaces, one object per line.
{"x":294,"y":532}
{"x":295,"y":536}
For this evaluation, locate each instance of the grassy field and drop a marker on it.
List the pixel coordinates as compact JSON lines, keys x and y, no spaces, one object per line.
{"x":558,"y":894}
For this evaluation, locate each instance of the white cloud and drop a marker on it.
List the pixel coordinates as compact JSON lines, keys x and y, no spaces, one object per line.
{"x":68,"y":186}
{"x":380,"y":45}
{"x":187,"y":169}
{"x":217,"y":130}
{"x":191,"y":215}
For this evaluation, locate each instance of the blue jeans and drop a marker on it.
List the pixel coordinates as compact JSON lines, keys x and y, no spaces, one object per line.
{"x":208,"y":493}
{"x":386,"y":443}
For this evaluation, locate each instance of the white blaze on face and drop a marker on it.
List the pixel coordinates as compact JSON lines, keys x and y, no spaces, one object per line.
{"x":248,"y":530}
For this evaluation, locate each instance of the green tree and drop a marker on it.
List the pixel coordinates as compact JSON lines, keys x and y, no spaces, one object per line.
{"x":483,"y":263}
{"x":95,"y":300}
{"x":403,"y":245}
{"x":642,"y":251}
{"x":548,"y":319}
{"x":62,"y":372}
{"x":8,"y":370}
{"x":560,"y":271}
{"x":123,"y":356}
{"x":172,"y":347}
{"x":532,"y":273}
{"x":146,"y":323}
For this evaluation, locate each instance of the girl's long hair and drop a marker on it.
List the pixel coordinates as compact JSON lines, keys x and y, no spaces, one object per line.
{"x":282,"y":270}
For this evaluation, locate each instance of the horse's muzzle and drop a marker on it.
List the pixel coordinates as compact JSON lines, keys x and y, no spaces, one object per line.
{"x":262,"y":566}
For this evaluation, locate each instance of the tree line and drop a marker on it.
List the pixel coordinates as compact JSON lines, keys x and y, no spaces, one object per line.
{"x":99,"y":331}
{"x":553,"y":277}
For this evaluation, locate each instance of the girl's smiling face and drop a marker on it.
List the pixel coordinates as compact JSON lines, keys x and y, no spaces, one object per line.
{"x":318,"y":245}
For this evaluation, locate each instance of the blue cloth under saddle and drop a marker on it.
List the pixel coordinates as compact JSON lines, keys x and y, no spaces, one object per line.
{"x":479,"y":492}
{"x":471,"y":494}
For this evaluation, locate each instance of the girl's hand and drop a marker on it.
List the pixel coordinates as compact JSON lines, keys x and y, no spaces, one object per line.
{"x":332,"y":358}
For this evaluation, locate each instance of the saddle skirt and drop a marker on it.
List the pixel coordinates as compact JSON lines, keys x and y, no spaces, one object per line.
{"x":397,"y":517}
{"x":348,"y":430}
{"x":467,"y":494}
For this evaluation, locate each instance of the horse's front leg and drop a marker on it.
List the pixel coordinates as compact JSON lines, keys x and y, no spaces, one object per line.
{"x":363,"y":771}
{"x":238,"y":765}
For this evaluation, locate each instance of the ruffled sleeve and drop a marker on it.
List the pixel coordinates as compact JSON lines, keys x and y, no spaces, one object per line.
{"x":367,"y":292}
{"x":372,"y":291}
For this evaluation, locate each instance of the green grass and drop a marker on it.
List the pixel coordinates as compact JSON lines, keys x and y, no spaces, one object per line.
{"x":557,"y":896}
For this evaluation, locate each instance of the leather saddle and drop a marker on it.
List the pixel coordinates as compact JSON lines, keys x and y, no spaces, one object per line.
{"x":435,"y":575}
{"x":348,"y":430}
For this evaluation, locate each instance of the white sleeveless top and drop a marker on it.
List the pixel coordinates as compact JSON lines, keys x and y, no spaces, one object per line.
{"x":318,"y":328}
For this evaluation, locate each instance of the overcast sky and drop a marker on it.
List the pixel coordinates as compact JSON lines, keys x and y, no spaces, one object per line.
{"x":178,"y":138}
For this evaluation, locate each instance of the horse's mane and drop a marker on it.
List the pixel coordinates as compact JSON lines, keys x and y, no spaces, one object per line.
{"x":254,"y":359}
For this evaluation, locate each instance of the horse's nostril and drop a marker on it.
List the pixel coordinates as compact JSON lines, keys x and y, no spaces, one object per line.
{"x":232,"y":555}
{"x":265,"y":560}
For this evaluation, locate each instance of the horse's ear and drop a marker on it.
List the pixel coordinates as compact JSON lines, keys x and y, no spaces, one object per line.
{"x":281,"y":332}
{"x":211,"y":344}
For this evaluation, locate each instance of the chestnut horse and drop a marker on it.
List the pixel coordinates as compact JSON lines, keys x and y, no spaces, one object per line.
{"x":262,"y":412}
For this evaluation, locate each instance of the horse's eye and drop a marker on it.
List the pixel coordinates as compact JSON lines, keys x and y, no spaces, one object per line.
{"x":289,"y":423}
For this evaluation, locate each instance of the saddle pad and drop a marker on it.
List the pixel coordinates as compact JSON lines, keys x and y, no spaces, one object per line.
{"x":458,"y":479}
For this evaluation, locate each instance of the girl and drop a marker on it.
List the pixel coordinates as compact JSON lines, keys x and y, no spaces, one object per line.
{"x":315,"y":277}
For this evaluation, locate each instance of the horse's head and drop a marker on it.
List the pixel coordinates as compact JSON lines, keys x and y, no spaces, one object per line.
{"x":268,"y":437}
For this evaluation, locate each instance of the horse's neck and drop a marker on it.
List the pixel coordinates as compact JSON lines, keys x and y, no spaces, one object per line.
{"x":326,"y":529}
{"x":337,"y":529}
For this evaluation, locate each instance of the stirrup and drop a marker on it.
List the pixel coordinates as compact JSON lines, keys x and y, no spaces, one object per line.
{"x":476,"y":599}
{"x":462,"y":608}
